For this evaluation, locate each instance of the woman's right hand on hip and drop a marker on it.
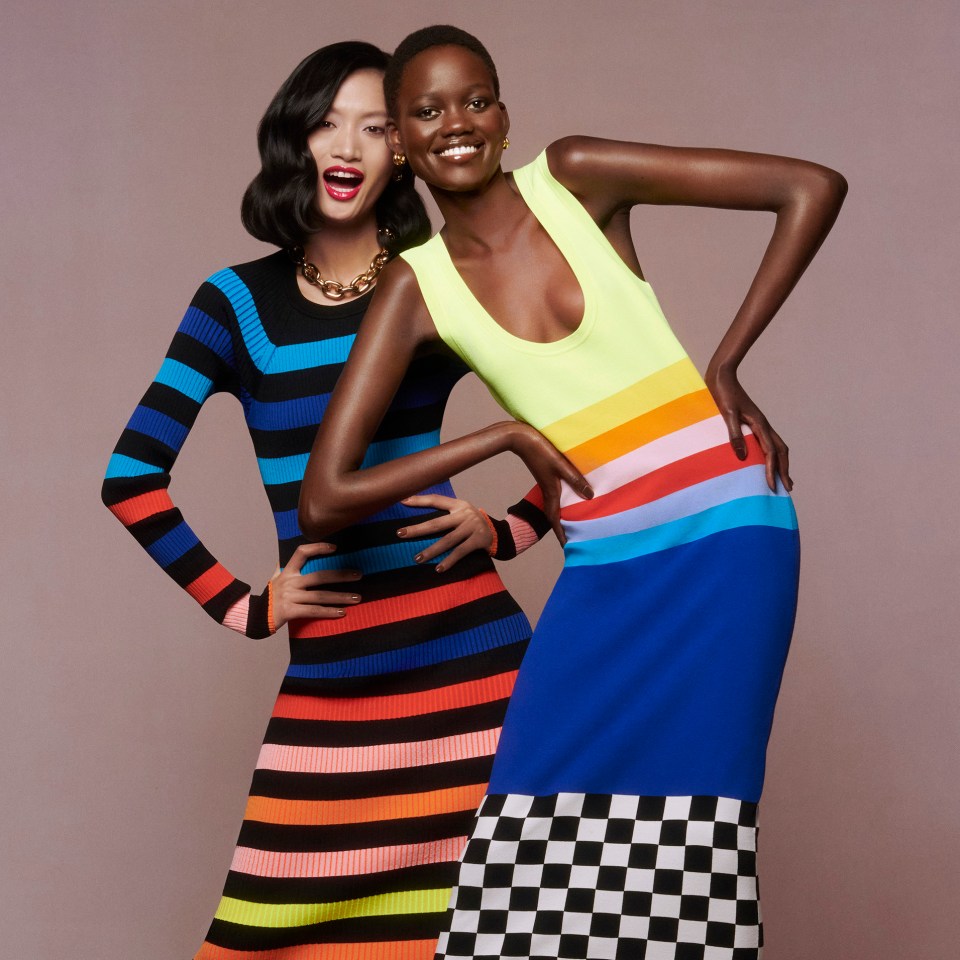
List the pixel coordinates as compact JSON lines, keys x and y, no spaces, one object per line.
{"x":296,"y":595}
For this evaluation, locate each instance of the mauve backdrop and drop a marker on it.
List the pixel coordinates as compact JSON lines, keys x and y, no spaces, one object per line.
{"x":132,"y":722}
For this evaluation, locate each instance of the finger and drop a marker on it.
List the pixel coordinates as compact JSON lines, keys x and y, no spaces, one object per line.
{"x":427,"y":528}
{"x":324,"y":598}
{"x":732,"y":420}
{"x":321,"y":577}
{"x":441,"y":546}
{"x":551,"y":507}
{"x":457,"y":554}
{"x":301,"y":611}
{"x":761,"y":430}
{"x":305,"y":551}
{"x":433,"y":501}
{"x":783,"y":459}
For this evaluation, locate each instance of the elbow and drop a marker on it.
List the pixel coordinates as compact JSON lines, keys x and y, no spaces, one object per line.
{"x":316,"y":515}
{"x":824,"y":187}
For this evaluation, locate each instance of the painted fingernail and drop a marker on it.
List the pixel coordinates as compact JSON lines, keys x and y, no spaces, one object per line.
{"x":355,"y":597}
{"x":418,"y":558}
{"x":439,"y":568}
{"x":341,"y":613}
{"x":402,"y":532}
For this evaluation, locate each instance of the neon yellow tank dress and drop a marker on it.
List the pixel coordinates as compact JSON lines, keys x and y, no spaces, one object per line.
{"x":621,"y":814}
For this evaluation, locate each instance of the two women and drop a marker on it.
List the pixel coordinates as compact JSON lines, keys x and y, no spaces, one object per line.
{"x":381,"y":740}
{"x":621,"y":815}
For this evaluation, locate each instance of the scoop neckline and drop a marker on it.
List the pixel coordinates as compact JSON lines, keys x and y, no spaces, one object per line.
{"x":565,"y":343}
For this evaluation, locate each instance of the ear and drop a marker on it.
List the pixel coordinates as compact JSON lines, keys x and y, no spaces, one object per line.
{"x":392,"y":135}
{"x":506,"y":117}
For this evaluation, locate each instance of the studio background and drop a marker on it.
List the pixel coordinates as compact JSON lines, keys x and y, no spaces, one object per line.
{"x":132,"y":722}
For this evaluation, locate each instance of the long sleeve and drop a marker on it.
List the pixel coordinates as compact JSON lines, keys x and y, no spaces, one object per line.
{"x":524,"y":525}
{"x":199,"y":363}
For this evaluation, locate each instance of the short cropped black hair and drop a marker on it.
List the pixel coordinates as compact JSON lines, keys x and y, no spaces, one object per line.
{"x":280,"y":205}
{"x":439,"y":35}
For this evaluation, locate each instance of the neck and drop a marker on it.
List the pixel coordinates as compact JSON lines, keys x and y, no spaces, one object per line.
{"x":342,"y":250}
{"x":480,"y":219}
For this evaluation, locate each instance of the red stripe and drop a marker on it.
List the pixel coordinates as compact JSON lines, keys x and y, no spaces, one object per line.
{"x":143,"y":506}
{"x":345,"y":709}
{"x":669,"y":479}
{"x":375,"y":613}
{"x":209,"y":584}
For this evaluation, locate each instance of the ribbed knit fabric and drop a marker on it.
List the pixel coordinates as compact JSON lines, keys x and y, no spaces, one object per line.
{"x":381,"y":740}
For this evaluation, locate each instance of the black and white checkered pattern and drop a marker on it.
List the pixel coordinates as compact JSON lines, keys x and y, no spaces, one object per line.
{"x":599,"y":877}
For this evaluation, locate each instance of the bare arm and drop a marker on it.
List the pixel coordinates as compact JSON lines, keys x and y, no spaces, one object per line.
{"x":335,"y":490}
{"x":806,"y":197}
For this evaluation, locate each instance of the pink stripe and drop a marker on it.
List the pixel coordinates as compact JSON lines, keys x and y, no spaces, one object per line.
{"x":652,"y":456}
{"x":238,"y":614}
{"x":345,"y":863}
{"x":523,"y":534}
{"x":386,"y":756}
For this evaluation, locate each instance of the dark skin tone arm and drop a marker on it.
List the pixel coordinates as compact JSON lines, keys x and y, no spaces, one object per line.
{"x":611,"y":176}
{"x":527,"y":279}
{"x":335,"y":491}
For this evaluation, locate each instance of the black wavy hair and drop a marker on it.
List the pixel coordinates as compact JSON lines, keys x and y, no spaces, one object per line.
{"x":280,"y":205}
{"x":439,"y":35}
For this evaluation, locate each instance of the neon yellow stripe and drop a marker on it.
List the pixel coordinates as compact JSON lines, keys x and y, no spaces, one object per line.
{"x":302,"y":914}
{"x":677,"y":380}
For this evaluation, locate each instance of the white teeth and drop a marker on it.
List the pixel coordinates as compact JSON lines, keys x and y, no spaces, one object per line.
{"x":458,"y":151}
{"x":342,"y":174}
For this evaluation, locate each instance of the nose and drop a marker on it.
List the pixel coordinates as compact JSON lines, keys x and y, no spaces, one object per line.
{"x":346,"y":144}
{"x":457,"y":121}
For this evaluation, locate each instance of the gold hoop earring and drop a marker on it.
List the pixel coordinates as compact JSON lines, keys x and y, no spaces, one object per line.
{"x":506,"y":142}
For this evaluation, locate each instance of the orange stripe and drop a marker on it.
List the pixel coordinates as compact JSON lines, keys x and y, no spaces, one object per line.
{"x":378,"y":950}
{"x":143,"y":506}
{"x":345,"y":709}
{"x":318,"y":813}
{"x":669,"y":479}
{"x":209,"y":584}
{"x":375,"y":613}
{"x":668,"y":418}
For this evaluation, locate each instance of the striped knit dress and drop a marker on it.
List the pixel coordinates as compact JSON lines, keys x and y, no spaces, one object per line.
{"x":621,"y":817}
{"x":381,"y":741}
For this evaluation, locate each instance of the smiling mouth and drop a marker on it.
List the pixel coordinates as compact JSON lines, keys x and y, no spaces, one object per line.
{"x":460,"y":151}
{"x":342,"y":183}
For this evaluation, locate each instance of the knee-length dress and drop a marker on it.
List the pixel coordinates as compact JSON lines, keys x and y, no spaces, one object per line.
{"x":381,"y":740}
{"x":621,"y":816}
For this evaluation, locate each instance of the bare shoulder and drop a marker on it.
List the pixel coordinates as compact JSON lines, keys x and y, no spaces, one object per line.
{"x":398,"y":303}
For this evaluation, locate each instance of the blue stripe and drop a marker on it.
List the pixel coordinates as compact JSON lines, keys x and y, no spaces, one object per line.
{"x":288,"y":525}
{"x":277,"y":470}
{"x":158,"y":425}
{"x":173,"y":545}
{"x":315,"y":353}
{"x":203,"y":328}
{"x":489,"y":636}
{"x":387,"y":556}
{"x":287,"y":414}
{"x":764,"y":511}
{"x":121,"y":466}
{"x":184,"y":380}
{"x":255,"y":339}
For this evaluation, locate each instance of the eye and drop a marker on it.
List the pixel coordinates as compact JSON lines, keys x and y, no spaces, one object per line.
{"x":325,"y":124}
{"x":427,"y":113}
{"x":375,"y":130}
{"x":479,"y":103}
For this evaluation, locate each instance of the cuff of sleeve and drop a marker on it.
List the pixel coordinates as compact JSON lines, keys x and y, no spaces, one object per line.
{"x":503,"y":547}
{"x":260,"y":615}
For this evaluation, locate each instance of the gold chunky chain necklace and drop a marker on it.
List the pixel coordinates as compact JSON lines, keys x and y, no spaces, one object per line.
{"x":333,"y":288}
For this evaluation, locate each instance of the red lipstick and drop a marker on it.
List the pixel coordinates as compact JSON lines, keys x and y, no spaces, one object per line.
{"x":342,"y":183}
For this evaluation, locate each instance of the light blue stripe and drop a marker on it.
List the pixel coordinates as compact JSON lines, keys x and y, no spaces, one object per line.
{"x":184,"y":380}
{"x":276,"y":470}
{"x":315,"y":353}
{"x":746,"y":512}
{"x":121,"y":466}
{"x":258,"y":344}
{"x":488,"y":636}
{"x":388,"y":556}
{"x":745,"y":482}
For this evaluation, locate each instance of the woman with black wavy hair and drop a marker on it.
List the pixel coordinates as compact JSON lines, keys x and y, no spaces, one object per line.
{"x":381,"y":740}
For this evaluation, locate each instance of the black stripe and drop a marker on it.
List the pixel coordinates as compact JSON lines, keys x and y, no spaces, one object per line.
{"x":363,"y":733}
{"x":353,"y":836}
{"x":282,"y":785}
